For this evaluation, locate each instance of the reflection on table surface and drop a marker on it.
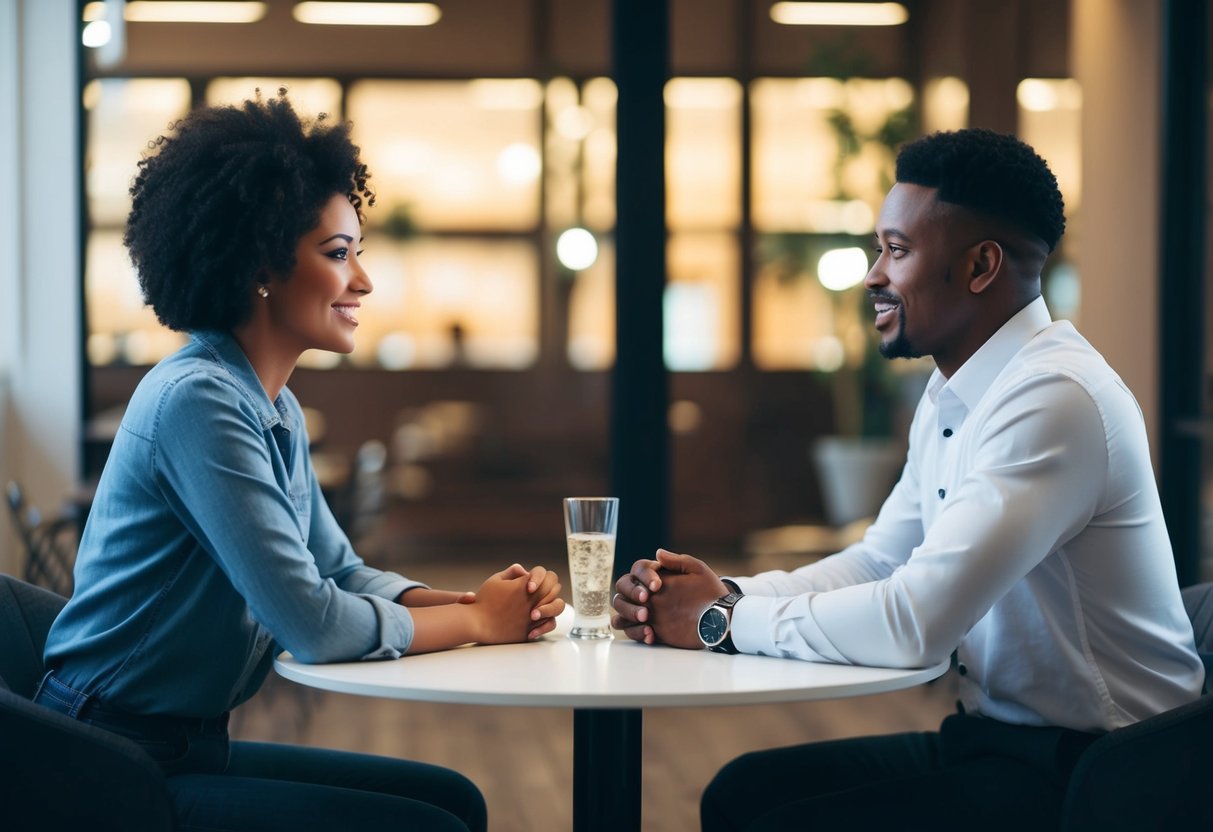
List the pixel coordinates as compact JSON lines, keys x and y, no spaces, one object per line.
{"x":618,"y":673}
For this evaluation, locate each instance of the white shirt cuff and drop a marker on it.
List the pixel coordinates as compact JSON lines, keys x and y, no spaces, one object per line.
{"x":775,"y":627}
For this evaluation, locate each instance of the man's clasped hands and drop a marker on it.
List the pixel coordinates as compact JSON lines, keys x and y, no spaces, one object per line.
{"x":659,"y":601}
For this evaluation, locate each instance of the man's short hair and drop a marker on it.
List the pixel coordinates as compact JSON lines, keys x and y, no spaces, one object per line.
{"x":990,"y":173}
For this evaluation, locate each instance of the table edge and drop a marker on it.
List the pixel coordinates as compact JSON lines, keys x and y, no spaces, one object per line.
{"x":291,"y":670}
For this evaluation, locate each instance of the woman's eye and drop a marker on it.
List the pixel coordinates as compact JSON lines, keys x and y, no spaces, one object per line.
{"x":339,"y":254}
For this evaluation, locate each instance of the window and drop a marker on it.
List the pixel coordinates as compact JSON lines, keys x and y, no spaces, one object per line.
{"x":823,"y":152}
{"x":123,"y":116}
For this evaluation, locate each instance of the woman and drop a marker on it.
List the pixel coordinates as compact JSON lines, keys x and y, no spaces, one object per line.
{"x":209,"y":546}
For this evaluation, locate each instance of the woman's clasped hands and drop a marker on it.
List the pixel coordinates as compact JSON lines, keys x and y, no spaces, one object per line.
{"x":513,"y":605}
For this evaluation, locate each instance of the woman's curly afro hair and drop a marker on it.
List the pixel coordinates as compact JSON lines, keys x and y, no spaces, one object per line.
{"x":991,"y":173}
{"x":224,"y":200}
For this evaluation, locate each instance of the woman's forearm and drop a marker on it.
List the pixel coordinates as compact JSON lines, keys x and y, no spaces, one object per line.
{"x":443,"y":627}
{"x":421,"y":596}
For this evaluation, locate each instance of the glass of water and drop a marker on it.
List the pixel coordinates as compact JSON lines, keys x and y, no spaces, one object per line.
{"x":589,"y":527}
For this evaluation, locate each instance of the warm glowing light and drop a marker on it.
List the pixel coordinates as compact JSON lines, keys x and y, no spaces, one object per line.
{"x":1042,"y":95}
{"x":702,"y":93}
{"x":184,"y":11}
{"x":841,"y":268}
{"x":576,"y":249}
{"x":506,"y":93}
{"x":574,"y":122}
{"x":367,"y":14}
{"x":847,"y":216}
{"x":828,"y":354}
{"x":97,"y":33}
{"x":839,"y":14}
{"x":945,"y":104}
{"x":519,"y":164}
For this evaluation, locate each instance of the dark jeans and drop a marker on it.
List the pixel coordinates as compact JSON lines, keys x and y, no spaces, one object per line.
{"x":974,"y":773}
{"x":217,"y":784}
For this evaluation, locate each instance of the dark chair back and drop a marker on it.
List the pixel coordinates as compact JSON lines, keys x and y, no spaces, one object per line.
{"x":1198,"y":601}
{"x":1152,"y":775}
{"x":57,"y":773}
{"x":26,"y":615}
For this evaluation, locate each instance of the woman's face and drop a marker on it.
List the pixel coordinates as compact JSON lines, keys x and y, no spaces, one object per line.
{"x":316,"y":306}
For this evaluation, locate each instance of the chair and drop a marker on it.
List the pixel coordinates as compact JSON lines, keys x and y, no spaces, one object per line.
{"x":1152,"y":775}
{"x":361,"y":505}
{"x":50,"y":544}
{"x":57,"y":773}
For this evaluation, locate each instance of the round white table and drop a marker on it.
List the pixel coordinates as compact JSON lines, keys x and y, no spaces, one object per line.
{"x":606,"y":683}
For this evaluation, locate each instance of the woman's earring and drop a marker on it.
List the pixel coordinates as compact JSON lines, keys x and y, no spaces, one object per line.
{"x":263,"y":290}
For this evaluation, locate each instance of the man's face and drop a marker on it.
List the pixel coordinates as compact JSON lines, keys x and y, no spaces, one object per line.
{"x":918,"y":283}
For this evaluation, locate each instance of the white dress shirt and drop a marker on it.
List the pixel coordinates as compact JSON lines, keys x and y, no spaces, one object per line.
{"x":1026,"y":528}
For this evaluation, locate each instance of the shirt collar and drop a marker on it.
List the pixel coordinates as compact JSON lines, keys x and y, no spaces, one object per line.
{"x":975,"y":376}
{"x":226,"y":350}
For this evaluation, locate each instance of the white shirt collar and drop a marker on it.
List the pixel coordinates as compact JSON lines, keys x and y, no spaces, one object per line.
{"x":975,"y":376}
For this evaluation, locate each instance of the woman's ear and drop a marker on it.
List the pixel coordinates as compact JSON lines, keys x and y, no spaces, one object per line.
{"x":985,"y":264}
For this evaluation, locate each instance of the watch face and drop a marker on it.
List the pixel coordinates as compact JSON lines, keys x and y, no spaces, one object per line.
{"x":713,"y":626}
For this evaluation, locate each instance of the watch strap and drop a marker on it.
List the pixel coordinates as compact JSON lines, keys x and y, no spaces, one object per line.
{"x":726,"y":645}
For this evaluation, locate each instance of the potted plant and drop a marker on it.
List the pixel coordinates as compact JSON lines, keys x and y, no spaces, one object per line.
{"x":859,"y":461}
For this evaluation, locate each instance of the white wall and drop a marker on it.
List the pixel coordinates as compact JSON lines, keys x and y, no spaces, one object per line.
{"x":1116,"y":56}
{"x":40,"y":267}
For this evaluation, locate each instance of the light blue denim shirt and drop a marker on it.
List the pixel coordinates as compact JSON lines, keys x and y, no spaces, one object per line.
{"x":209,"y":548}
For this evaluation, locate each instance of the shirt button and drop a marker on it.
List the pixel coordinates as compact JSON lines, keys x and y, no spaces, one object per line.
{"x":942,"y":493}
{"x":962,"y":670}
{"x":947,"y":432}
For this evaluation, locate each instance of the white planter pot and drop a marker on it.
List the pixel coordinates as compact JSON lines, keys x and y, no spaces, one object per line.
{"x":856,"y":474}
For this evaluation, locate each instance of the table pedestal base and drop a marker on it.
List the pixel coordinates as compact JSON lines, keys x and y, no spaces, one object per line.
{"x":606,"y":770}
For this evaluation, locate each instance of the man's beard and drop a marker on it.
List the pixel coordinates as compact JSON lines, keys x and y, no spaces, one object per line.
{"x":900,"y":346}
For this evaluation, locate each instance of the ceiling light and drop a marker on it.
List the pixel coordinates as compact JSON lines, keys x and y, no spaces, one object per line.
{"x":839,"y":14}
{"x":96,"y":34}
{"x":184,"y":11}
{"x":576,"y":249}
{"x":367,"y":13}
{"x":841,"y":268}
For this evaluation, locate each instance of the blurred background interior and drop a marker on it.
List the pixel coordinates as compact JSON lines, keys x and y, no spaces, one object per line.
{"x":481,"y":389}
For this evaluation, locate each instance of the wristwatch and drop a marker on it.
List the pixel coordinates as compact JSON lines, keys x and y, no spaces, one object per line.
{"x":715,"y":622}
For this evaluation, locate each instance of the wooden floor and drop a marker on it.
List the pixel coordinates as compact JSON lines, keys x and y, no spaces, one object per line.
{"x":521,"y":758}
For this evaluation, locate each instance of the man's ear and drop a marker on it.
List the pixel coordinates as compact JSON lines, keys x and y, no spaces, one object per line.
{"x":985,"y":264}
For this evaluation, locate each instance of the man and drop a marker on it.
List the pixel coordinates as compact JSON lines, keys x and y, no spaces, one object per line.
{"x":1025,"y":533}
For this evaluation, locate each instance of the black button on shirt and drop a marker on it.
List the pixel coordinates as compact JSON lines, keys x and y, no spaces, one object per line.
{"x":947,"y":432}
{"x":942,"y":493}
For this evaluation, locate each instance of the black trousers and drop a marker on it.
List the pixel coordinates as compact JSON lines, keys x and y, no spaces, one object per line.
{"x":974,"y":773}
{"x":217,"y":785}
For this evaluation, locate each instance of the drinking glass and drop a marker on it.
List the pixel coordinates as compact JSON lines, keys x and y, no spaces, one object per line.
{"x":589,"y":527}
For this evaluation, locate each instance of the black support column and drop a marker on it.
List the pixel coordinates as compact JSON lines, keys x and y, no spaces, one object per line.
{"x":639,"y":441}
{"x":606,"y":770}
{"x":1183,"y":218}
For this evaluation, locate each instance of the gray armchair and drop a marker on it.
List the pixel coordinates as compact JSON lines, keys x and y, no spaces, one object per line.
{"x":1152,"y":775}
{"x":55,"y":772}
